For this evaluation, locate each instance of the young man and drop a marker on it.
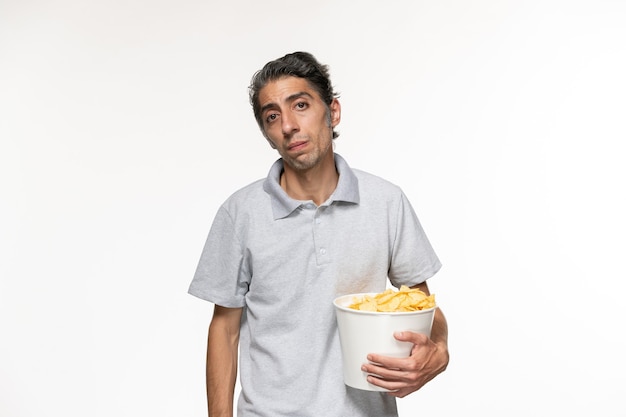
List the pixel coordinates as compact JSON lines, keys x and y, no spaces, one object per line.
{"x":281,"y":249}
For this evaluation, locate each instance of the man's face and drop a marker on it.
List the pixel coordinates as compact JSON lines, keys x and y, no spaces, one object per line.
{"x":297,"y":122}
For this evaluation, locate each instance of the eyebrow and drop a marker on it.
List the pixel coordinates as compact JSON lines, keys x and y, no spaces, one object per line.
{"x":289,"y":99}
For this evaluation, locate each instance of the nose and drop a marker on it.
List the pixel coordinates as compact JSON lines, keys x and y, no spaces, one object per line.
{"x":289,"y":124}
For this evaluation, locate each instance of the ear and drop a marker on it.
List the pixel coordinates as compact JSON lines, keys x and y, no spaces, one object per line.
{"x":335,"y":112}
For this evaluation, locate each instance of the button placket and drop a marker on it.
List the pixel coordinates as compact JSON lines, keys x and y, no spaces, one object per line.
{"x":320,"y":237}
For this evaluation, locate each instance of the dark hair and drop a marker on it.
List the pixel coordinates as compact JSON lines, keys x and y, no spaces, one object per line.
{"x":297,"y":64}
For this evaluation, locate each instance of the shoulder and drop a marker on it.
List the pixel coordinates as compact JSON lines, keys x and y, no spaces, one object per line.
{"x":370,"y":183}
{"x":381,"y":195}
{"x":241,"y":207}
{"x":246,"y":197}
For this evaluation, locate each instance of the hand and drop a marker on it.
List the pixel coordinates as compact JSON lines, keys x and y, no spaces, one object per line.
{"x":403,"y":376}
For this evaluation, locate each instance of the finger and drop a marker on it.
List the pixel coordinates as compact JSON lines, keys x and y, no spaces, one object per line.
{"x":391,"y":386}
{"x":388,"y":374}
{"x":401,"y":393}
{"x":386,"y":361}
{"x":396,"y":388}
{"x":415,"y":338}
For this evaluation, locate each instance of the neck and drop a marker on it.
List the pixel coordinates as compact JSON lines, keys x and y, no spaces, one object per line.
{"x":316,"y":184}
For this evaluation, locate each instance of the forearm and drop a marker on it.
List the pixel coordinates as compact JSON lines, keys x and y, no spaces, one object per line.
{"x":221,"y":368}
{"x":439,"y":334}
{"x":439,"y":330}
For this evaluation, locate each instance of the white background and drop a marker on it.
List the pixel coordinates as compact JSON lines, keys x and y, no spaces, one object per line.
{"x":125,"y":123}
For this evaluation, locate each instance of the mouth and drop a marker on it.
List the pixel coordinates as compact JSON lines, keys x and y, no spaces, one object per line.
{"x":296,"y":146}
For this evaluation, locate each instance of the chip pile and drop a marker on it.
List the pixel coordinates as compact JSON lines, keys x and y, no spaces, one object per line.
{"x":403,"y":300}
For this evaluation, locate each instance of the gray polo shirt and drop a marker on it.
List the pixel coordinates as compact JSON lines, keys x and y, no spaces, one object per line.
{"x":284,"y":261}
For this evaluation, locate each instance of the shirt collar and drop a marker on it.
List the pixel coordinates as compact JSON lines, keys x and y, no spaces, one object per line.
{"x":282,"y":205}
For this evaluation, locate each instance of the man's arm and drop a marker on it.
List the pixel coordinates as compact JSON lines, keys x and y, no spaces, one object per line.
{"x":221,"y":360}
{"x":439,"y":331}
{"x":429,"y":357}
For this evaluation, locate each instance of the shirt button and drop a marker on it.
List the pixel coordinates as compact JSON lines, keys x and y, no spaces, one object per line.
{"x":323,"y":251}
{"x":318,"y":221}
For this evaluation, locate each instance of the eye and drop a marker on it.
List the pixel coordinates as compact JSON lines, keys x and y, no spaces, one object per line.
{"x":271,"y":117}
{"x":301,"y":105}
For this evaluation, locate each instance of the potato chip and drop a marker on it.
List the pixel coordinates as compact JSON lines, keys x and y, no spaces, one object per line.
{"x":403,"y":300}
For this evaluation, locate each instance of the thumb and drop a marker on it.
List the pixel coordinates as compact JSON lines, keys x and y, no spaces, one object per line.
{"x":402,"y":336}
{"x":407,"y":336}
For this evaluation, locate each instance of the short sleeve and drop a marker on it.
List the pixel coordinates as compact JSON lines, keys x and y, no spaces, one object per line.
{"x":220,"y":276}
{"x":413,"y":258}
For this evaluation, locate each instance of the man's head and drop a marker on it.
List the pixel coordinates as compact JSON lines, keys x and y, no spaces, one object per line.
{"x":297,"y":64}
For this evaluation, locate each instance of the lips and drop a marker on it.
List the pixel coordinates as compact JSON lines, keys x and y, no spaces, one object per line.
{"x":296,"y":146}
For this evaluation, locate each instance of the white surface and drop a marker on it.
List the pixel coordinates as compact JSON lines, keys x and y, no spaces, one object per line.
{"x":363,"y":332}
{"x":124,"y":125}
